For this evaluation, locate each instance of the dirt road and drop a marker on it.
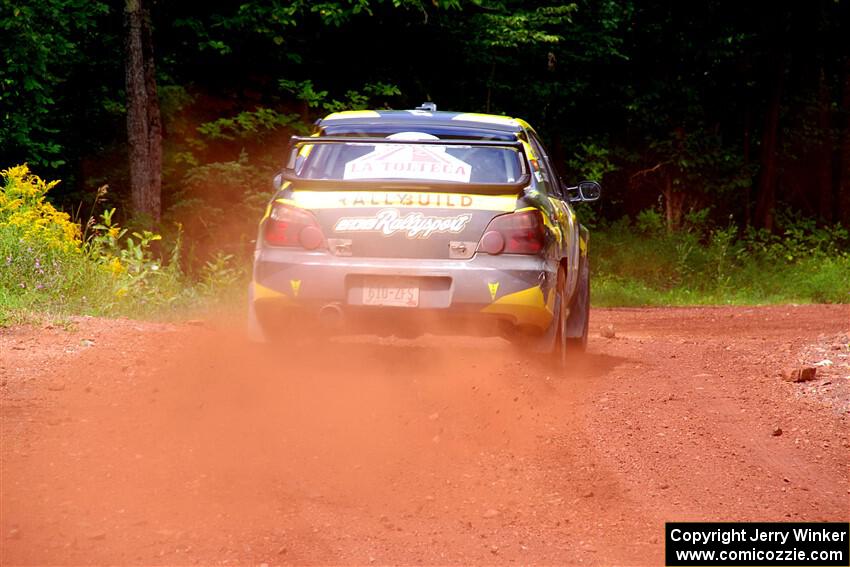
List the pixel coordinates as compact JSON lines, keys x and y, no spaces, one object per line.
{"x":139,"y":443}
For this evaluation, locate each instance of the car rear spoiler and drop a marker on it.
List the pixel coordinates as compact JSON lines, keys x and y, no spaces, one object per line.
{"x":296,"y":142}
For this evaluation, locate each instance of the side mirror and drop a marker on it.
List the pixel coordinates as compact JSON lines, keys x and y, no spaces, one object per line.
{"x":584,"y":191}
{"x":589,"y":190}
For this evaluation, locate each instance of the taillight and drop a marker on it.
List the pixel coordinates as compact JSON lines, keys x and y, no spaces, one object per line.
{"x":291,"y":226}
{"x":516,"y":233}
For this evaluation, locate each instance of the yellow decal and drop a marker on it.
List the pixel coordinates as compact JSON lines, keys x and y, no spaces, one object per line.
{"x":263,"y":292}
{"x":493,"y":287}
{"x":268,"y":212}
{"x":401,"y":199}
{"x":296,"y":286}
{"x":352,"y":114}
{"x":527,"y":307}
{"x":529,"y":151}
{"x":304,"y":151}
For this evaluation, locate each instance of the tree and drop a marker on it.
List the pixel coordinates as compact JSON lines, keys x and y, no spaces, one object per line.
{"x":41,"y":49}
{"x":687,"y":105}
{"x":844,"y":151}
{"x":144,"y":127}
{"x":769,"y":175}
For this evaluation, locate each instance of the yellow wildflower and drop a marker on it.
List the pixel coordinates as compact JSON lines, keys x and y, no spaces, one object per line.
{"x":115,"y":266}
{"x":23,"y":205}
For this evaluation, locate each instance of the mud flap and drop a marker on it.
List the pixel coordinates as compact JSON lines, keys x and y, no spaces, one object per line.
{"x":545,"y":344}
{"x":578,"y":310}
{"x":255,"y":330}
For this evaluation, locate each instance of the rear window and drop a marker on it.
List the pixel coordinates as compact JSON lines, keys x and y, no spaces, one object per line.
{"x":357,"y":161}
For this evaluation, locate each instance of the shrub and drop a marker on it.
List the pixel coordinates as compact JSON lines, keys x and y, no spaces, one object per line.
{"x":701,"y":265}
{"x":25,"y":211}
{"x":48,"y":263}
{"x":38,"y":244}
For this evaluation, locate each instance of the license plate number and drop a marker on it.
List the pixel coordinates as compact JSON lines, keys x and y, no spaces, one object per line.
{"x":394,"y":292}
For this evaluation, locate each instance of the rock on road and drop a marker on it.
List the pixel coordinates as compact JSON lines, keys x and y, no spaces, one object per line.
{"x":140,"y":443}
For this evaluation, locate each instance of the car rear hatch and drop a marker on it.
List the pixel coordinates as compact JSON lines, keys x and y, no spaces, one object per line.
{"x":406,"y":196}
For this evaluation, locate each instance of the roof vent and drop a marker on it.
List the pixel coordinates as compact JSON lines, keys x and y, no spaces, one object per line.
{"x":429,"y":106}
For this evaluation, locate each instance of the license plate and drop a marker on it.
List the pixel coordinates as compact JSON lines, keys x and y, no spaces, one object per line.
{"x":391,"y":292}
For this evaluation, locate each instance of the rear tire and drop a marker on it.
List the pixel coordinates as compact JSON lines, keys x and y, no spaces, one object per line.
{"x":579,"y":319}
{"x":560,"y":354}
{"x":256,"y":333}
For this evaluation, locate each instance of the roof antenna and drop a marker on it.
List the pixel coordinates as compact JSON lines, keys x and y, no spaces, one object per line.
{"x":428,"y":105}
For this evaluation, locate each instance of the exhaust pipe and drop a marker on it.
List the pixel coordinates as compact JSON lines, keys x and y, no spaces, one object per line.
{"x":331,"y":316}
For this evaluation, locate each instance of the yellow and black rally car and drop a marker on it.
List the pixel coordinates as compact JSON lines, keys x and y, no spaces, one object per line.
{"x":404,"y":222}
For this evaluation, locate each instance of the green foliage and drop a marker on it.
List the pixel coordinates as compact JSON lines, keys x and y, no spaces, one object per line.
{"x":649,"y":222}
{"x":136,"y":271}
{"x":512,"y":25}
{"x":249,"y":124}
{"x":273,"y":21}
{"x":304,"y":91}
{"x":720,"y":247}
{"x":41,"y":48}
{"x":173,"y":100}
{"x":220,"y":275}
{"x":218,"y":207}
{"x":366,"y":97}
{"x":645,"y":265}
{"x":591,"y":161}
{"x":634,"y":95}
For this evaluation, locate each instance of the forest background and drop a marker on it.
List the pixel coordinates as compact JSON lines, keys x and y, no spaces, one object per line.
{"x":720,"y":132}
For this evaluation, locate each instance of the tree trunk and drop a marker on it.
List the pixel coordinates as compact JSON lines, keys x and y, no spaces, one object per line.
{"x":844,"y":157}
{"x":490,"y":86}
{"x":154,"y":118}
{"x":823,"y":162}
{"x":144,"y":128}
{"x":748,"y":195}
{"x":768,"y":176}
{"x":674,"y":204}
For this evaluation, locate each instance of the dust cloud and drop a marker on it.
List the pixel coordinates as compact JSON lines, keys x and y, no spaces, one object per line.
{"x":194,"y":443}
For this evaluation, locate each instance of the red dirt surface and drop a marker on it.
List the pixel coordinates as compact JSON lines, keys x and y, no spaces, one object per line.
{"x":137,"y":443}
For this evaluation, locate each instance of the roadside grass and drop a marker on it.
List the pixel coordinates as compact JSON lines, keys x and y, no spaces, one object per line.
{"x":637,"y":263}
{"x":73,"y":285}
{"x":39,"y":287}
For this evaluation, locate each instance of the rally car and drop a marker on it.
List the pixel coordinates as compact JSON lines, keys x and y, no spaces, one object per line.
{"x":407,"y":222}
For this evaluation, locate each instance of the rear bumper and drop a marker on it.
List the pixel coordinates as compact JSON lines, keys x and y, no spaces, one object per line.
{"x":485,"y":291}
